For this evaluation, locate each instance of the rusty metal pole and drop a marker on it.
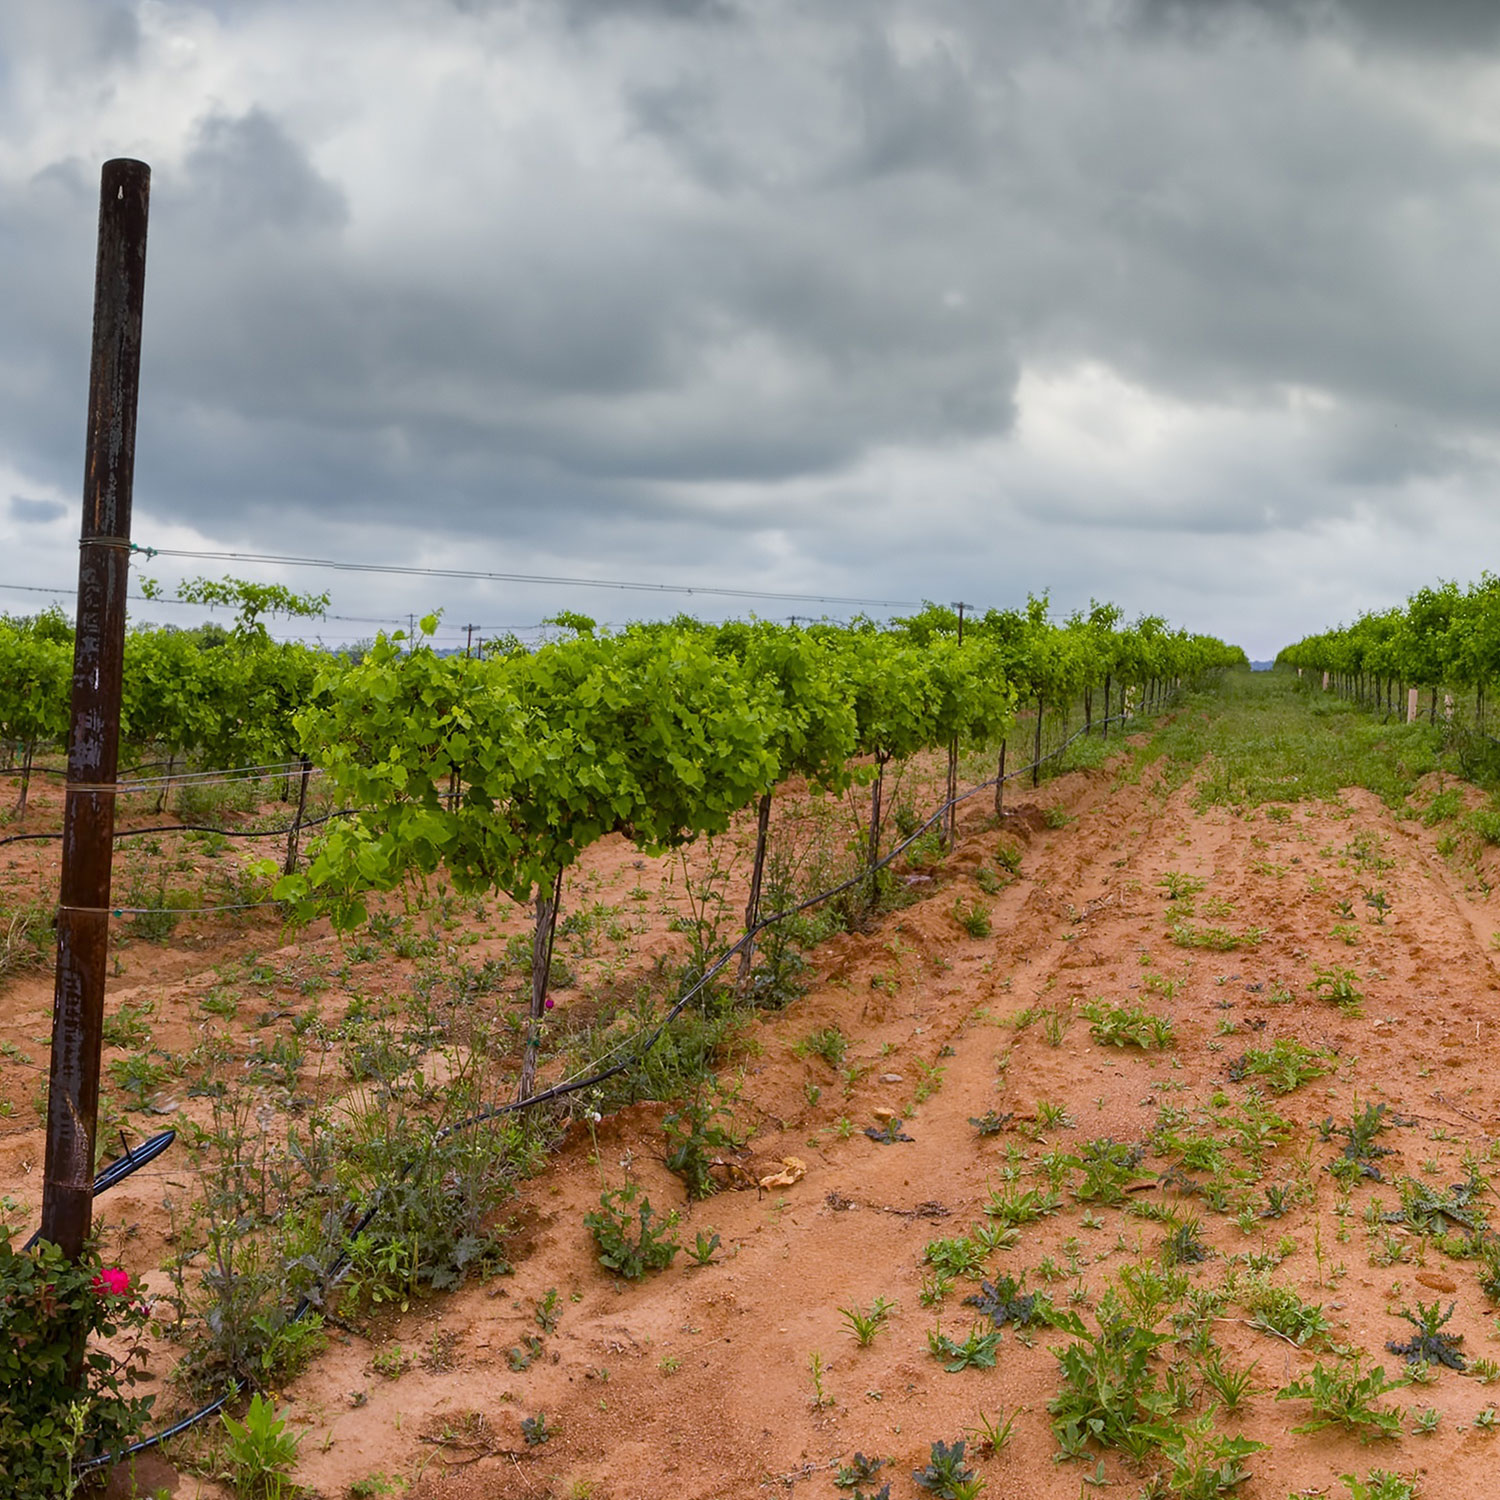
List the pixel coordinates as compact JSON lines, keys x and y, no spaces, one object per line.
{"x":93,"y":746}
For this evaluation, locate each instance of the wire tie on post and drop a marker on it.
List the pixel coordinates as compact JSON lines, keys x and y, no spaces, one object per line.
{"x":122,"y":543}
{"x":107,"y":788}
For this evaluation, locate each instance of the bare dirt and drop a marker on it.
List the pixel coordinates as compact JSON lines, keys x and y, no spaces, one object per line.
{"x":699,"y":1381}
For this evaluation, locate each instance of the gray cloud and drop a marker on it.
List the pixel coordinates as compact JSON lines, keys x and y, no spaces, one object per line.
{"x":1428,"y":25}
{"x":69,"y":38}
{"x":36,"y":512}
{"x":245,"y":175}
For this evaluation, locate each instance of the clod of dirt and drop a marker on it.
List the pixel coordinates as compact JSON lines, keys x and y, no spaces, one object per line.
{"x":1436,"y":1281}
{"x":793,"y":1169}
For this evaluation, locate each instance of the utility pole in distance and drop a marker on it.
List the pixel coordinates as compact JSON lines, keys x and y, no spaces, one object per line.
{"x":94,"y":742}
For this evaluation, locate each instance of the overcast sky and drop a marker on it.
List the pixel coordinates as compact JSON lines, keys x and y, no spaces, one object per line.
{"x":1187,"y":304}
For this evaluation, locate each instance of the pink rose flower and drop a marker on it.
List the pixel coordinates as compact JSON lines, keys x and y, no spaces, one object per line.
{"x":112,"y":1282}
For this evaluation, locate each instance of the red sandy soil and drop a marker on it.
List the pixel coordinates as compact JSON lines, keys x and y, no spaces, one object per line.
{"x":696,"y":1382}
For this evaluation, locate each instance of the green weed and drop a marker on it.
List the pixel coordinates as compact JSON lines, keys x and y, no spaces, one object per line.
{"x":865,"y":1323}
{"x":1346,"y":1395}
{"x":631,"y":1241}
{"x":1285,"y":1065}
{"x":1128,"y":1026}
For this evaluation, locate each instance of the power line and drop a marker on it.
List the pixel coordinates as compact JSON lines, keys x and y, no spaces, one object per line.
{"x":541,"y":578}
{"x":71,"y":590}
{"x":487,"y":629}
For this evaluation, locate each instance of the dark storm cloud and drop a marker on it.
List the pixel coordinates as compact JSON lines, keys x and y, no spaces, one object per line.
{"x":676,"y":276}
{"x":598,"y":12}
{"x":245,"y":175}
{"x":47,"y":234}
{"x":924,"y":114}
{"x":1426,"y":25}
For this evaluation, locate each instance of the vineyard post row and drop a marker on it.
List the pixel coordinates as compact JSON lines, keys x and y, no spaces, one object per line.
{"x":1444,"y":643}
{"x":503,"y":767}
{"x":501,"y":772}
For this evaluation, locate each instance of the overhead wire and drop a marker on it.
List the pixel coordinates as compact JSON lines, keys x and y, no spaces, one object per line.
{"x":548,"y":579}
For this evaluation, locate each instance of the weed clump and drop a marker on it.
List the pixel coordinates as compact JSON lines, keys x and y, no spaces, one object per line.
{"x":945,"y":1473}
{"x":1357,"y":1160}
{"x":631,"y":1241}
{"x":1003,"y":1301}
{"x":1347,"y":1396}
{"x":694,"y":1139}
{"x":1429,"y":1343}
{"x":1128,"y":1026}
{"x":1285,"y":1065}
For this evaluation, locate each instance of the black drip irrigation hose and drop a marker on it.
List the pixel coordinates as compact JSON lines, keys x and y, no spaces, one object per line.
{"x":121,"y":1167}
{"x":640,"y":1045}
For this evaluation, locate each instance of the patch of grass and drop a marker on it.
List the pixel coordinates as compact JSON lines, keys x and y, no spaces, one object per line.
{"x":1014,"y":1207}
{"x":1128,"y":1026}
{"x":827,"y":1042}
{"x":1214,"y":939}
{"x":1184,"y":1245}
{"x":973,"y":917}
{"x":26,"y":938}
{"x":1180,"y":887}
{"x":865,"y":1323}
{"x":1339,"y":986}
{"x":1232,"y":1386}
{"x":1445,"y":805}
{"x":1272,"y":740}
{"x":1285,"y":1065}
{"x":1279,"y":1310}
